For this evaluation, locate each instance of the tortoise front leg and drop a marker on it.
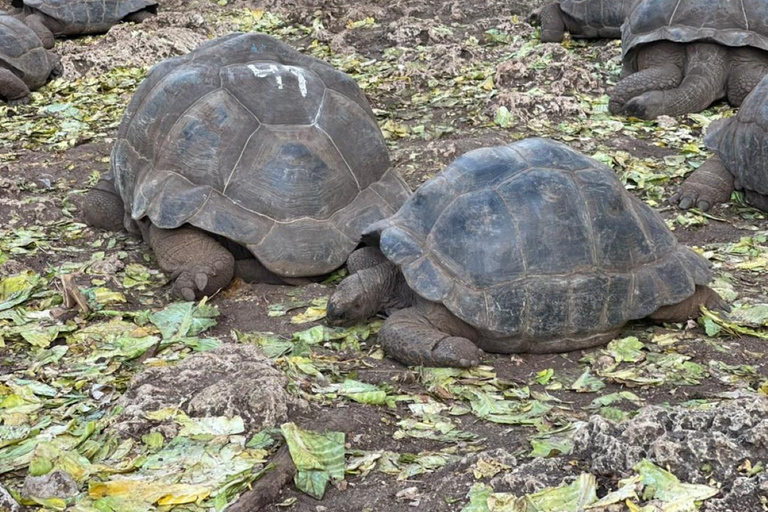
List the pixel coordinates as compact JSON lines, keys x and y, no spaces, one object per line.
{"x":660,"y":67}
{"x":103,"y":207}
{"x":199,"y":264}
{"x":429,"y":335}
{"x":12,"y":88}
{"x":706,"y":74}
{"x":37,"y":24}
{"x":57,"y":69}
{"x":550,"y":18}
{"x":690,"y":307}
{"x":710,"y":184}
{"x":744,"y":76}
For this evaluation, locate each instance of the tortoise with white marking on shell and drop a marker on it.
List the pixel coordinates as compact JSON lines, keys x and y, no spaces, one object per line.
{"x":531,"y":247}
{"x":246,"y":147}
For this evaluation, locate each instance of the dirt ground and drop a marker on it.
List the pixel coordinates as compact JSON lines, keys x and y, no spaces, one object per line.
{"x":444,"y":78}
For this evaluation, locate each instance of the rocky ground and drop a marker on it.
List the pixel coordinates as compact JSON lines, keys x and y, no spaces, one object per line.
{"x":113,"y":396}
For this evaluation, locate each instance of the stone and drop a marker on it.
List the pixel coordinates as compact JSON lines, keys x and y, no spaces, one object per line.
{"x":56,"y":484}
{"x":231,"y":380}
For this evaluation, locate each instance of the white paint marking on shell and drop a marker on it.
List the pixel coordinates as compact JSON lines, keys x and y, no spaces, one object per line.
{"x":302,"y":81}
{"x":263,"y":73}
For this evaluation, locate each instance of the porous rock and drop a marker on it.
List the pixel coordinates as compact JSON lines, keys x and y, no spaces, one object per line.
{"x":232,"y":380}
{"x":7,"y":503}
{"x":56,"y":484}
{"x":534,"y":476}
{"x":746,"y":494}
{"x":719,"y":436}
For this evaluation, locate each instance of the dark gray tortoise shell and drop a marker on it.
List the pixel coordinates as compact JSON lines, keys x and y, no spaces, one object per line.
{"x":733,"y":23}
{"x":22,"y":52}
{"x":535,"y":239}
{"x":249,"y":139}
{"x":86,"y":16}
{"x":741,"y":142}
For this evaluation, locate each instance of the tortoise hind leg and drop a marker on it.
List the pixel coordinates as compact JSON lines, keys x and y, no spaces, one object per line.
{"x":199,"y":264}
{"x":12,"y":88}
{"x":689,"y":308}
{"x":140,"y":16}
{"x":251,"y":270}
{"x":710,"y":184}
{"x":757,"y":200}
{"x":412,"y":337}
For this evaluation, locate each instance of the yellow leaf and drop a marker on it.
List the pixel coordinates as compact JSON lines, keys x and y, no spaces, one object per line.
{"x":158,"y":492}
{"x":312,"y":314}
{"x":184,"y":494}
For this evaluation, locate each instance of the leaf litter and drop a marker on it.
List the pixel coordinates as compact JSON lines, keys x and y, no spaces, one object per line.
{"x":62,"y":374}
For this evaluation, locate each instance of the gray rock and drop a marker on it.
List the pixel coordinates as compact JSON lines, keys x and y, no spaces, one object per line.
{"x":56,"y":484}
{"x":534,"y":476}
{"x":613,"y":451}
{"x":745,"y":495}
{"x":232,"y":380}
{"x":718,"y":437}
{"x":695,"y":444}
{"x":7,"y":503}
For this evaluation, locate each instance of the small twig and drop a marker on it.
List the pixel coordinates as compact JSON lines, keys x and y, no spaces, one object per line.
{"x":72,"y":295}
{"x":266,"y":489}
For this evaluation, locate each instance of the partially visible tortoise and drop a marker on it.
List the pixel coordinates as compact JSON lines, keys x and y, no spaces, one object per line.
{"x":586,"y":19}
{"x":50,"y":18}
{"x":680,"y":56}
{"x":740,"y":144}
{"x":246,"y":144}
{"x":530,"y":247}
{"x":24,"y":64}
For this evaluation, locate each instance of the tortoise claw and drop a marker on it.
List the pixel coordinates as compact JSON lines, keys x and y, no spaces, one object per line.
{"x":201,"y":280}
{"x":191,"y":283}
{"x":187,"y":294}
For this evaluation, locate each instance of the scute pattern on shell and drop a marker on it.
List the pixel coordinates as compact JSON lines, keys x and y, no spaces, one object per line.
{"x":741,"y":142}
{"x":247,"y":138}
{"x":88,"y":16}
{"x":733,"y":23}
{"x":535,"y":239}
{"x":22,"y":51}
{"x":600,"y":18}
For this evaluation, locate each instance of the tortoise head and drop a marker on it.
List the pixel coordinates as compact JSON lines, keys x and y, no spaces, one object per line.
{"x":363,"y":294}
{"x":356,"y":298}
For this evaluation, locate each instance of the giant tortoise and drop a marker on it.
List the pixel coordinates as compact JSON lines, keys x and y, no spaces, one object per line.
{"x":246,"y":147}
{"x":680,"y":56}
{"x":740,"y":144}
{"x":584,"y":19}
{"x":50,"y":18}
{"x":24,"y":64}
{"x":530,"y":247}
